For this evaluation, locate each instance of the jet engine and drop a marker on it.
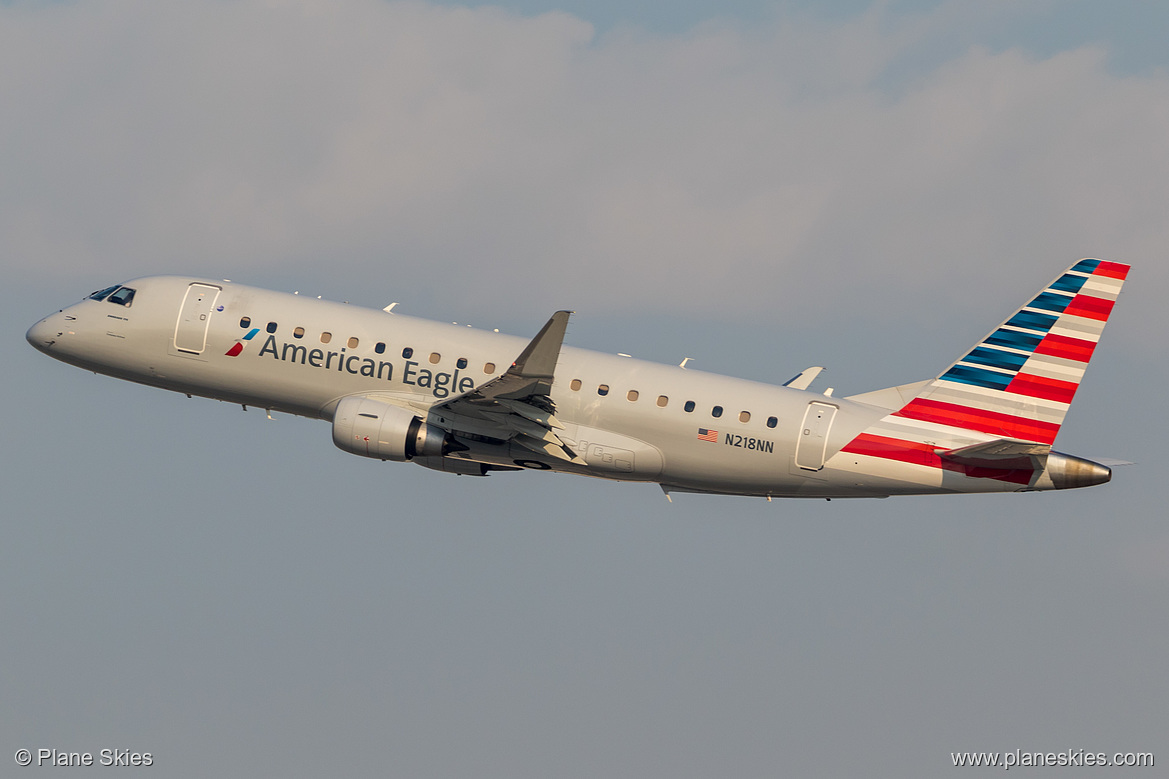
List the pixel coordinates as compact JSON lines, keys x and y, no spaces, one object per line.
{"x":372,"y":428}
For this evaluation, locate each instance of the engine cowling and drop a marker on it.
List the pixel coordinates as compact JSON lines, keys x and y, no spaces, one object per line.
{"x":372,"y":428}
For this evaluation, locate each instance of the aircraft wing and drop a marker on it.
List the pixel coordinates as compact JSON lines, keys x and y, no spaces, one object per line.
{"x":1001,"y":453}
{"x":516,"y":406}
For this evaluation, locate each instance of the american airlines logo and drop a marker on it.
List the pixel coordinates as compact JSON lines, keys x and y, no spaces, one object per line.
{"x":238,"y":347}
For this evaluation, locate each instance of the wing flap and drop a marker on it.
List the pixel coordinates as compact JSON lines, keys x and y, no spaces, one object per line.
{"x":536,"y":415}
{"x":556,"y":449}
{"x":532,"y":430}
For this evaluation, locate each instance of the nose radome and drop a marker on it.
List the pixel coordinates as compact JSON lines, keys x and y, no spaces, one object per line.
{"x":44,"y":333}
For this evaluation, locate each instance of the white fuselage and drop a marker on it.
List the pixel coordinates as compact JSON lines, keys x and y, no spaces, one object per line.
{"x":629,"y":419}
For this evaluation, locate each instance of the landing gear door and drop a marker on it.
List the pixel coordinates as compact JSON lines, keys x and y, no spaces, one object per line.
{"x":813,"y":438}
{"x":195,"y":318}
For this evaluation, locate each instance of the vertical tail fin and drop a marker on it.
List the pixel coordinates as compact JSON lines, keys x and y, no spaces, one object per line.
{"x":1019,"y":381}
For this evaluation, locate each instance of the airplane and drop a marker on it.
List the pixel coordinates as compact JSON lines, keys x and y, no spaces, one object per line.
{"x":473,"y":402}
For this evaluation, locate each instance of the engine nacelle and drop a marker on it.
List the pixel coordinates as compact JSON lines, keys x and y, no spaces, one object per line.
{"x":372,"y":428}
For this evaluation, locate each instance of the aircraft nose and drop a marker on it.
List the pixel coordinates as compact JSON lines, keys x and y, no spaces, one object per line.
{"x":45,"y":333}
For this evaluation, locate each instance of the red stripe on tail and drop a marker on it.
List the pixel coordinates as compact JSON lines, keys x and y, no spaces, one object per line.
{"x":1043,"y":387}
{"x":1113,"y":270}
{"x":1066,"y":347}
{"x":1090,"y":307}
{"x":992,"y":422}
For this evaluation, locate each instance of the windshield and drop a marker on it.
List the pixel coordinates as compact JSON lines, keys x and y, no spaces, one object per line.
{"x":122,"y":297}
{"x":101,"y":294}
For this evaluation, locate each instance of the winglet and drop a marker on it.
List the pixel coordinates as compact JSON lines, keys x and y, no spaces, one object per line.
{"x":529,"y":379}
{"x":538,"y":359}
{"x":804,"y":379}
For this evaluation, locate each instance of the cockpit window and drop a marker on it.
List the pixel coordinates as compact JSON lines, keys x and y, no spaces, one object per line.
{"x":122,"y":297}
{"x":101,"y":294}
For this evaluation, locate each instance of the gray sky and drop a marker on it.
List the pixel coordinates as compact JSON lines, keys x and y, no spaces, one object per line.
{"x":758,"y":186}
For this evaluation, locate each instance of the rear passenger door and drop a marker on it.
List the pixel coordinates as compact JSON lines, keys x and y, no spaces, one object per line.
{"x":813,"y":438}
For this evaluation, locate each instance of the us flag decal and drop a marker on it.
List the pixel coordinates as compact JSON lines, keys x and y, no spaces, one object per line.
{"x":708,"y":435}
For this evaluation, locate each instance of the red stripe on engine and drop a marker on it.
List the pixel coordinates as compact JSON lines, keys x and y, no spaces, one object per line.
{"x":1043,"y":387}
{"x":1090,"y":307}
{"x":983,"y":421}
{"x":1066,"y":347}
{"x":1113,"y":270}
{"x":923,"y":454}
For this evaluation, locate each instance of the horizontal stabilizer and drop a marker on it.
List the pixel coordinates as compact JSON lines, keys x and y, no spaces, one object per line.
{"x":1003,"y":453}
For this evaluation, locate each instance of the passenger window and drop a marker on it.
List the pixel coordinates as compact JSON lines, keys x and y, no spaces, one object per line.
{"x":716,"y":412}
{"x":632,"y":395}
{"x":352,"y":343}
{"x":461,"y":362}
{"x":772,"y":421}
{"x":298,"y":332}
{"x":407,"y":353}
{"x":246,"y":322}
{"x":744,"y":416}
{"x":434,"y":358}
{"x":326,"y":337}
{"x":379,"y":348}
{"x":689,"y":406}
{"x":663,"y":400}
{"x":271,"y":328}
{"x":489,"y":367}
{"x":122,"y":297}
{"x":575,"y":385}
{"x":102,"y":294}
{"x":603,"y":389}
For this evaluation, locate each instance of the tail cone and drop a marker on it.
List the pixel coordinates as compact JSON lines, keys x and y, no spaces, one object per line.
{"x":1065,"y":472}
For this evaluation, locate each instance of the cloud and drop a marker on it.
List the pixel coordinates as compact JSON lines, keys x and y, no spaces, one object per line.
{"x":502,"y":157}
